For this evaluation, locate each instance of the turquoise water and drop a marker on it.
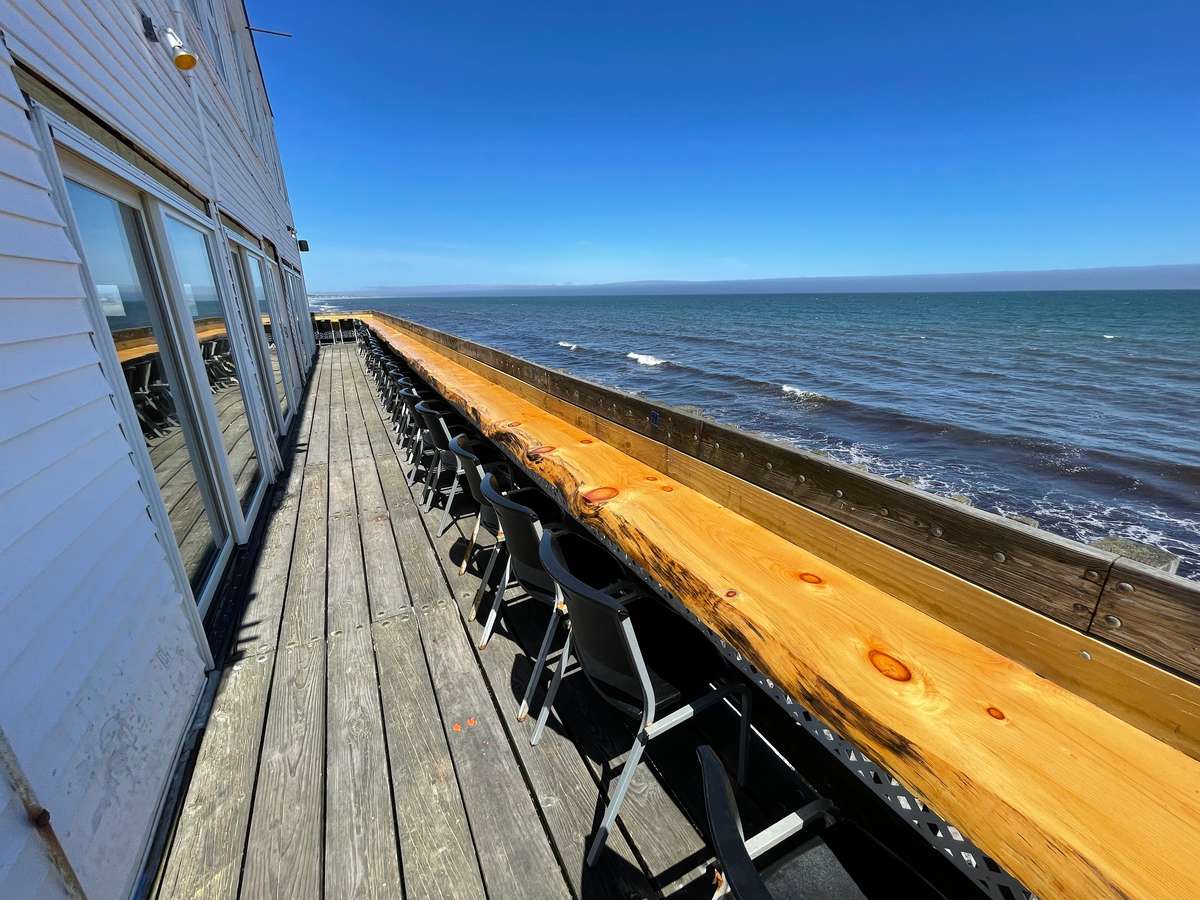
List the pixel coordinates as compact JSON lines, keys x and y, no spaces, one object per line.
{"x":1079,"y":409}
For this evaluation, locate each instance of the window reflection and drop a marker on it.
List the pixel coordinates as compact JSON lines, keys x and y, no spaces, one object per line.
{"x":111,"y":233}
{"x":273,"y":329}
{"x":196,"y":276}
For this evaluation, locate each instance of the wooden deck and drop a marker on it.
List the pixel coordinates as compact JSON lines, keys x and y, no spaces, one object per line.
{"x":360,"y":746}
{"x":176,"y":476}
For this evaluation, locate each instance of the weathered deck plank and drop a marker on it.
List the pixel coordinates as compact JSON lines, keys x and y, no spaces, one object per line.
{"x":499,"y":807}
{"x":304,"y":605}
{"x":361,"y":859}
{"x":285,"y":844}
{"x":284,"y":848}
{"x":206,"y":856}
{"x":435,"y":840}
{"x":259,"y":626}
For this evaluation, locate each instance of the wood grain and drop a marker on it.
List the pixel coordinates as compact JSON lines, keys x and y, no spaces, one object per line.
{"x":1152,"y":613}
{"x":435,"y":840}
{"x":206,"y":856}
{"x":361,"y":858}
{"x":284,"y":848}
{"x":259,"y":625}
{"x":1049,"y":788}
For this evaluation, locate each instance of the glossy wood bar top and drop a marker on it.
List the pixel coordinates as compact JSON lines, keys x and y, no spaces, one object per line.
{"x":130,"y":350}
{"x":1071,"y":800}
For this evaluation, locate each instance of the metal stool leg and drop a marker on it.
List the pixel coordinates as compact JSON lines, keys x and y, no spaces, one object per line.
{"x":540,"y":663}
{"x":446,"y":520}
{"x":497,"y":598}
{"x":481,"y":591}
{"x":551,"y":692}
{"x":614,"y":804}
{"x":462,"y":569}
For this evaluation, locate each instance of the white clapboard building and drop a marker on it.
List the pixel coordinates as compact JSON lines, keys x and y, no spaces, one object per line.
{"x":154,"y":343}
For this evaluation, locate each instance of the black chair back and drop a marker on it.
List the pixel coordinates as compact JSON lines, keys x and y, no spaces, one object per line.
{"x":473,"y":472}
{"x":601,"y":633}
{"x":435,"y":425}
{"x":520,"y":537}
{"x":725,"y":830}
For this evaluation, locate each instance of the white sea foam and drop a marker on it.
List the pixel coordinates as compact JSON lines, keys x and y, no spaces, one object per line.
{"x":801,"y":393}
{"x":568,"y":345}
{"x":1111,"y":337}
{"x":645,"y":359}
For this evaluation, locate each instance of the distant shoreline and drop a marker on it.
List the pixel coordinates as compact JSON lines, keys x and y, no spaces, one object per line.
{"x":1181,"y":277}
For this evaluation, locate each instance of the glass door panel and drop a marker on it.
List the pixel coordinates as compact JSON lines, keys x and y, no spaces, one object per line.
{"x":282,"y":332}
{"x":114,"y":244}
{"x":272,"y":328}
{"x":197,"y":278}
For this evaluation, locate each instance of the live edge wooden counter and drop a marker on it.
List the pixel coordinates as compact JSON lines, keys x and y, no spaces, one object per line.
{"x":1068,"y":798}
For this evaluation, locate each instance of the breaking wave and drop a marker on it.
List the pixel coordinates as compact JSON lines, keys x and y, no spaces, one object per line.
{"x":645,"y":359}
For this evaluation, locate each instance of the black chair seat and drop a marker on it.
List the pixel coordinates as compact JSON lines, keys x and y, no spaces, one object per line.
{"x":813,"y":872}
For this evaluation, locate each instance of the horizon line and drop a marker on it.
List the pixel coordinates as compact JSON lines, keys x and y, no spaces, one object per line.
{"x":1169,"y":276}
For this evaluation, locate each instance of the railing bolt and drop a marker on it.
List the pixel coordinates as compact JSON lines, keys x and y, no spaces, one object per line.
{"x":1112,"y":621}
{"x":999,"y":557}
{"x":1125,"y":587}
{"x":936,"y":530}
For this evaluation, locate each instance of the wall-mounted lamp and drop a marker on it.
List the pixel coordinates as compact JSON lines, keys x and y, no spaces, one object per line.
{"x":303,"y":245}
{"x":184,"y":58}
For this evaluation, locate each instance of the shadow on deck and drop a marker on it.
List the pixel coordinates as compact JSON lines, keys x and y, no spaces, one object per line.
{"x":359,"y":745}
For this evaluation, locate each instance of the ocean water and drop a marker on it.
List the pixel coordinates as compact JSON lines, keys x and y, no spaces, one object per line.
{"x":1080,"y":409}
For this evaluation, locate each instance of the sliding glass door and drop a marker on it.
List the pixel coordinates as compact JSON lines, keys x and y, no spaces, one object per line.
{"x":116,"y":248}
{"x":269,"y":336}
{"x":210,"y":323}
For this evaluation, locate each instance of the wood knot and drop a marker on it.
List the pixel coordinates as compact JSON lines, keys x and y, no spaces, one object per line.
{"x":810,"y":578}
{"x":996,"y":714}
{"x":600,"y":494}
{"x":667,"y":488}
{"x":513,"y":424}
{"x":652,"y":478}
{"x":538,"y":452}
{"x":585,"y":440}
{"x":731,"y":594}
{"x":889,"y":666}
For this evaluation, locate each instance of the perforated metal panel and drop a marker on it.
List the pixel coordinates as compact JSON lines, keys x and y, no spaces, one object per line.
{"x":981,"y":868}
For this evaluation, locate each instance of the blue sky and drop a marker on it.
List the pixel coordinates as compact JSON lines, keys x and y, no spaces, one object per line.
{"x":564,"y":142}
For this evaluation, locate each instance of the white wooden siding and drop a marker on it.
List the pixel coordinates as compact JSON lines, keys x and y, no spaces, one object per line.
{"x":97,"y":54}
{"x":99,"y":665}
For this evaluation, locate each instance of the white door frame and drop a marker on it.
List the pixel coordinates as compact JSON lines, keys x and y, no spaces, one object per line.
{"x":249,"y":255}
{"x":110,"y":365}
